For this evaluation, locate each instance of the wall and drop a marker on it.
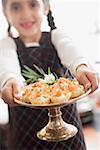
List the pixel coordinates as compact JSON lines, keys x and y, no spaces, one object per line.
{"x":80,"y":20}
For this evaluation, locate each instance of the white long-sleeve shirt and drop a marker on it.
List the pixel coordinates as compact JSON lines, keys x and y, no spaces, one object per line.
{"x":9,"y":63}
{"x":70,"y":56}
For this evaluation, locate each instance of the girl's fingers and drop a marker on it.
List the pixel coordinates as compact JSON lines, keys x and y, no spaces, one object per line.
{"x":7,"y":95}
{"x":94,"y":79}
{"x":16,"y":90}
{"x":10,"y":91}
{"x":82,"y":78}
{"x":88,"y":77}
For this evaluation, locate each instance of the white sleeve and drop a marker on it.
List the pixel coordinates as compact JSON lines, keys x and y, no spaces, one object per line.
{"x":68,"y":53}
{"x":9,"y":63}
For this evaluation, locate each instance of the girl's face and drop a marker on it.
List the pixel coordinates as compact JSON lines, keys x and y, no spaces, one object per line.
{"x":26,"y":15}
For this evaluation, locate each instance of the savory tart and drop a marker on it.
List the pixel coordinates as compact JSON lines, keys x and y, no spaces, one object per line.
{"x":60,"y":92}
{"x":36,"y":93}
{"x":72,"y":86}
{"x":48,"y":89}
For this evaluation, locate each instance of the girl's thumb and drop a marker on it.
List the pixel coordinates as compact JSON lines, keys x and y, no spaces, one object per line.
{"x":17,"y":90}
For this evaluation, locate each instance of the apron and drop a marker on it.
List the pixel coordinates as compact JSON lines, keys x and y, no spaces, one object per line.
{"x":26,"y":122}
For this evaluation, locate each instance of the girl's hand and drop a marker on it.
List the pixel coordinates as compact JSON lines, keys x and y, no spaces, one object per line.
{"x":87,"y":77}
{"x":10,"y":90}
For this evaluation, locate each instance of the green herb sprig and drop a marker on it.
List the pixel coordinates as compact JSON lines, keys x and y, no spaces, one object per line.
{"x":31,"y":75}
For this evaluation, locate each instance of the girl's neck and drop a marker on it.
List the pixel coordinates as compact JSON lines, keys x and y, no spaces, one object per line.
{"x":36,"y":38}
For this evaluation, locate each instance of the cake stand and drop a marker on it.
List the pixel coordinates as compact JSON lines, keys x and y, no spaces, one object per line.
{"x":56,"y":129}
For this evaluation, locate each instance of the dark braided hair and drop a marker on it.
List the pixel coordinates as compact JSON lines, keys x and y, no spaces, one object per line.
{"x":50,"y":17}
{"x":51,"y":20}
{"x":9,"y":32}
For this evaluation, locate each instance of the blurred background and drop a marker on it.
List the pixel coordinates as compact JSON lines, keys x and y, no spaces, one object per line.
{"x":80,"y":20}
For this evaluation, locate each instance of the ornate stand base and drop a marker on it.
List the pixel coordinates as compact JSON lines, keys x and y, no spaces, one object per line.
{"x":56,"y":129}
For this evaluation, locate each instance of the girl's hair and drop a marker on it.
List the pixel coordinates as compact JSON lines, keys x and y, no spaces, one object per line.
{"x":49,"y":17}
{"x":4,"y":3}
{"x":51,"y":20}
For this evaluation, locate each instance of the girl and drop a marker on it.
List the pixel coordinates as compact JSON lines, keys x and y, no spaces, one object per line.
{"x":34,"y":47}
